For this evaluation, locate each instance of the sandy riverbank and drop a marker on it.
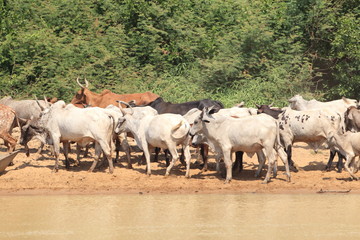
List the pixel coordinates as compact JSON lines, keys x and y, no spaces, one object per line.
{"x":30,"y":175}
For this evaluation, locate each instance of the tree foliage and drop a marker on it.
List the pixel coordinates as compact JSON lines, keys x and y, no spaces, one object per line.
{"x":258,"y":51}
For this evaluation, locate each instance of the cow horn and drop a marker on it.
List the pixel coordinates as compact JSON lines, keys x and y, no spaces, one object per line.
{"x":258,"y":106}
{"x":77,"y":80}
{"x":240,"y":104}
{"x":86,"y":83}
{"x":37,"y":101}
{"x":271,"y":104}
{"x":47,"y":104}
{"x":125,"y":103}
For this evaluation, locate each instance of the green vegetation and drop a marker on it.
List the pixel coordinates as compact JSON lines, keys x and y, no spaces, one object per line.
{"x":257,"y":51}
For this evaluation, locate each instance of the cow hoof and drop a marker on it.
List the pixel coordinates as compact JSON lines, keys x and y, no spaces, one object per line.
{"x":294,"y":169}
{"x":187,"y":176}
{"x":227,"y":181}
{"x":265,"y":181}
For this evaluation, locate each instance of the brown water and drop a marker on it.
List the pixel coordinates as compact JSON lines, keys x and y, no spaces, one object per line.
{"x":244,"y":216}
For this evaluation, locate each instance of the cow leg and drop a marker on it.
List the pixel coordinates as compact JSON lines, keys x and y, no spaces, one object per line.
{"x":27,"y":150}
{"x":87,"y":147}
{"x":283,"y":157}
{"x":117,"y":148}
{"x":146,"y":148}
{"x":261,"y":159}
{"x":56,"y":142}
{"x":66,"y":147}
{"x":218,"y":157}
{"x":167,"y":158}
{"x":9,"y":141}
{"x":175,"y":157}
{"x":340,"y":164}
{"x":349,"y":159}
{"x":156,"y":156}
{"x":98,"y":151}
{"x":331,"y":158}
{"x":204,"y":151}
{"x":182,"y":157}
{"x":105,"y":146}
{"x":187,"y":159}
{"x":238,"y":164}
{"x":271,"y":159}
{"x":78,"y":152}
{"x":126,"y":148}
{"x":290,"y":161}
{"x":38,"y":152}
{"x":228,"y":164}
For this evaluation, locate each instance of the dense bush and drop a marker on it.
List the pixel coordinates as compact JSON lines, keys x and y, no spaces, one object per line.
{"x":237,"y":50}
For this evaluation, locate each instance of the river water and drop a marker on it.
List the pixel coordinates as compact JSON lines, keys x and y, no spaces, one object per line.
{"x":208,"y":216}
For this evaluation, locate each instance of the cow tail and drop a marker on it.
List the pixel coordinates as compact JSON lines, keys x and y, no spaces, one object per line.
{"x":175,"y":128}
{"x":18,"y":124}
{"x":277,"y":142}
{"x":113,"y":130}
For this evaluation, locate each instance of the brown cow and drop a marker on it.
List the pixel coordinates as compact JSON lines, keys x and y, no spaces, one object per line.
{"x":86,"y":97}
{"x":8,"y":121}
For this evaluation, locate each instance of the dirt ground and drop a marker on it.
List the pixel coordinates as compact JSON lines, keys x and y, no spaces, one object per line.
{"x":34,"y":175}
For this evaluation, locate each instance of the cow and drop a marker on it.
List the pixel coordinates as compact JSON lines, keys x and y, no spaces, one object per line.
{"x":164,"y":131}
{"x":352,"y":119}
{"x":234,"y":112}
{"x":299,"y":103}
{"x":252,"y":134}
{"x":267,"y":109}
{"x":65,"y":123}
{"x":311,"y":126}
{"x":8,"y":120}
{"x":26,"y":110}
{"x":334,"y":107}
{"x":122,"y":138}
{"x":86,"y":97}
{"x":182,"y":108}
{"x":349,"y":146}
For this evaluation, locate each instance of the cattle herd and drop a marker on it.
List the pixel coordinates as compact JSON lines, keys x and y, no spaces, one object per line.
{"x":107,"y":120}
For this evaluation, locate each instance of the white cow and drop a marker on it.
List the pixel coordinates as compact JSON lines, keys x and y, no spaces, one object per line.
{"x":65,"y":123}
{"x":333,"y":108}
{"x":253,"y":134}
{"x":164,"y":131}
{"x":311,"y":126}
{"x":234,"y":112}
{"x":138,"y":112}
{"x":349,"y":145}
{"x":299,"y":103}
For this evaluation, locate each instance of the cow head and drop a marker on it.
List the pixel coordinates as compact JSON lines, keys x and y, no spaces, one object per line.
{"x":82,"y":96}
{"x":32,"y":129}
{"x":263,"y":108}
{"x":296,"y":101}
{"x":121,"y":122}
{"x":204,"y":118}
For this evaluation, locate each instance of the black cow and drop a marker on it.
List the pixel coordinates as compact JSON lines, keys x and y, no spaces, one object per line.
{"x":274,"y":112}
{"x":182,"y":108}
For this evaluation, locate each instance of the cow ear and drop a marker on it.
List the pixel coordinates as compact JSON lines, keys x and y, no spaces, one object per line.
{"x":210,"y":110}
